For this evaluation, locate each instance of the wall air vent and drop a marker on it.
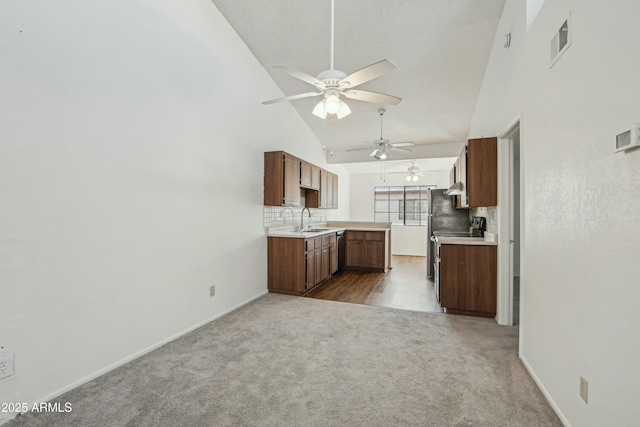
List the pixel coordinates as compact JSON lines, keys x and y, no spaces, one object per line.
{"x":561,"y":41}
{"x":628,"y":138}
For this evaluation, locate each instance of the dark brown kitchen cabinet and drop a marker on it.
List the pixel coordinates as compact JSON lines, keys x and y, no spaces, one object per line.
{"x":334,"y":203}
{"x":455,"y":176}
{"x":478,"y":172}
{"x":281,"y":179}
{"x":327,"y":196}
{"x":286,"y":177}
{"x":326,"y":189}
{"x":296,"y":266}
{"x":309,"y":176}
{"x":367,"y":250}
{"x":468,"y":279}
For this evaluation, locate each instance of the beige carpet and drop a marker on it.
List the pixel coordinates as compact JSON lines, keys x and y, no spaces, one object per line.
{"x":289,"y":361}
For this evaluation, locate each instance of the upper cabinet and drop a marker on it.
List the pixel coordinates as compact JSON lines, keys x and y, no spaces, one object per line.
{"x":281,"y":179}
{"x":287,"y":178}
{"x":328,"y":186}
{"x":309,"y":176}
{"x":327,"y":196}
{"x":477,"y":170}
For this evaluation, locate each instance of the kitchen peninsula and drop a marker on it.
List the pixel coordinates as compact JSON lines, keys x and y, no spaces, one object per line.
{"x":298,"y":261}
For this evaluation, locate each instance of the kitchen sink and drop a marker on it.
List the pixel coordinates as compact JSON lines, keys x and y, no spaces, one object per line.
{"x":315,"y":230}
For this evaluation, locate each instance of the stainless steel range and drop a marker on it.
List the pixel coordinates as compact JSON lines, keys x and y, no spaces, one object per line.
{"x":442,"y":217}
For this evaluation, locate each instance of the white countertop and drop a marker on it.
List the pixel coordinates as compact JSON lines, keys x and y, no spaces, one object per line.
{"x":302,"y":234}
{"x":465,"y":241}
{"x":321,"y":230}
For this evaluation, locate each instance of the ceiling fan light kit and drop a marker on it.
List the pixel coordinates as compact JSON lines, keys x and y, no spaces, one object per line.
{"x":332,"y":83}
{"x":379,"y":154}
{"x":331,"y":104}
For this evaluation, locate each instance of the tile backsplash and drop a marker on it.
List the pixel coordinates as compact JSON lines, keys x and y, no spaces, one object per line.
{"x":276,"y":216}
{"x":491,"y":213}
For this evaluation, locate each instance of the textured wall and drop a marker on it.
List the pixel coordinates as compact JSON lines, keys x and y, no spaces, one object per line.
{"x":579,"y":274}
{"x":131,"y":141}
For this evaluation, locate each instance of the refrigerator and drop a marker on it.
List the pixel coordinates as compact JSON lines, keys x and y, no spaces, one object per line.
{"x":443,"y":218}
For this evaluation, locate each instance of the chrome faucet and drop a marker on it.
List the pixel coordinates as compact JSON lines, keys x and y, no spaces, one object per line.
{"x":302,"y":218}
{"x":282,"y":214}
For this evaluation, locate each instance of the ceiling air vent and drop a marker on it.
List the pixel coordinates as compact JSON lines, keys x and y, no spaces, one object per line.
{"x":561,"y":41}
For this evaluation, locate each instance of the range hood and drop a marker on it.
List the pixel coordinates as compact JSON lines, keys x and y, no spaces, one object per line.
{"x":456,"y":189}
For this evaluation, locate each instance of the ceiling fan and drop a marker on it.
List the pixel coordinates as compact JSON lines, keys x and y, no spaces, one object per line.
{"x":413,"y":173}
{"x":383,"y":146}
{"x":333,"y":83}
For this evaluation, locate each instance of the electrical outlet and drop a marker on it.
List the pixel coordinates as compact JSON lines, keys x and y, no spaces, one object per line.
{"x":584,"y":390}
{"x":6,"y":365}
{"x":212,"y":290}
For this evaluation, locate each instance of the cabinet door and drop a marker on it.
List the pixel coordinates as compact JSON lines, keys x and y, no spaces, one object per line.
{"x":374,"y":255}
{"x":286,"y":265}
{"x":326,"y":263}
{"x":318,"y":266}
{"x":324,"y":185}
{"x":315,"y":177}
{"x":354,"y":253}
{"x":334,"y":201}
{"x":482,"y":172}
{"x":461,"y":175}
{"x":451,"y":275}
{"x":305,"y":174}
{"x":291,"y":181}
{"x":310,"y":278}
{"x":468,"y":279}
{"x":333,"y":250}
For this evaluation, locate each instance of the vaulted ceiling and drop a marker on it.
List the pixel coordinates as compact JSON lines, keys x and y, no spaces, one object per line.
{"x":440,"y":49}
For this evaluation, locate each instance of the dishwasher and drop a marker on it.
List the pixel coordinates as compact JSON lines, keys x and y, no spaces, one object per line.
{"x":341,"y":254}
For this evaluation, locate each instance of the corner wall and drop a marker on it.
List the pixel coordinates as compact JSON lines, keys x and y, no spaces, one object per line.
{"x":131,"y":163}
{"x":579,"y":275}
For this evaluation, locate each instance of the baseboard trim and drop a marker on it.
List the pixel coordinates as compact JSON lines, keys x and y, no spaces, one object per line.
{"x":137,"y":354}
{"x":544,"y":391}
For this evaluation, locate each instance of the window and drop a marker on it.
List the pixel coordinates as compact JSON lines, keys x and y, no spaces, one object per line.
{"x":401,"y":205}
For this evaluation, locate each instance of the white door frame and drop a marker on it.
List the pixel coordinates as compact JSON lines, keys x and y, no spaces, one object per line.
{"x":505,"y":226}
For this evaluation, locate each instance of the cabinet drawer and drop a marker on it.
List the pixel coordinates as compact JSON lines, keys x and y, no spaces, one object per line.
{"x":326,"y":241}
{"x":376,"y":236}
{"x":309,"y":244}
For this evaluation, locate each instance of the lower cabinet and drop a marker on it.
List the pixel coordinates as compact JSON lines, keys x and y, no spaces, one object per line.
{"x":296,"y":266}
{"x":367,"y":250}
{"x":468,"y":279}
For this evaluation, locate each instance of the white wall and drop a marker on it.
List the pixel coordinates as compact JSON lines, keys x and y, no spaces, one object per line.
{"x":579,"y":274}
{"x":404,"y":240}
{"x":131,"y":141}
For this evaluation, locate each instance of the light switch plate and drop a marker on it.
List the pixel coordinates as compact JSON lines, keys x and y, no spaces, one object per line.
{"x":6,"y":365}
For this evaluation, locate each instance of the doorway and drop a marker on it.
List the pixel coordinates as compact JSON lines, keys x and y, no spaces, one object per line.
{"x":510,"y":236}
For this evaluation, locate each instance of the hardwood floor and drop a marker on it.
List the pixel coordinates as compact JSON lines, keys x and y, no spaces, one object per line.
{"x":404,"y":286}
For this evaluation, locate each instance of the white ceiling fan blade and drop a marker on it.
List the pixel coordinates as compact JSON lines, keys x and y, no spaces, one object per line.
{"x":375,"y":97}
{"x":292,"y":97}
{"x":400,"y":148}
{"x":301,"y":75}
{"x":365,"y":74}
{"x":402,"y":144}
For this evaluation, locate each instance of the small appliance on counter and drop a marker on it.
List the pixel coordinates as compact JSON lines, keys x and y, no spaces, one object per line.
{"x":478,"y":226}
